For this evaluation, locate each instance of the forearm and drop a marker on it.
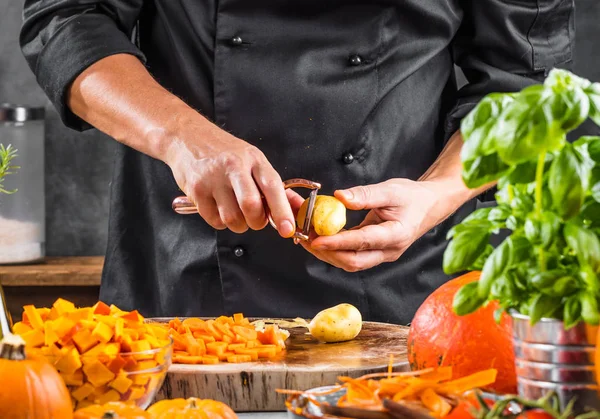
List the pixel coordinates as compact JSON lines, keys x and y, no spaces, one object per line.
{"x":445,"y":178}
{"x":118,"y":96}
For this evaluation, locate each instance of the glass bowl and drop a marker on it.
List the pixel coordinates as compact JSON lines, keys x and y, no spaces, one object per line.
{"x":130,"y":377}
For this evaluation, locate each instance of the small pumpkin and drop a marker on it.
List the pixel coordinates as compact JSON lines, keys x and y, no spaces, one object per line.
{"x":30,"y":386}
{"x":191,"y":408}
{"x":111,"y":410}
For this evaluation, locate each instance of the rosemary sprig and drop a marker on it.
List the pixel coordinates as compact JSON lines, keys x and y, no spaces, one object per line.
{"x":7,"y":154}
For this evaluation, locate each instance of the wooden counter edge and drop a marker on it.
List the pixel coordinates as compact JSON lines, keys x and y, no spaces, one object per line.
{"x":77,"y":271}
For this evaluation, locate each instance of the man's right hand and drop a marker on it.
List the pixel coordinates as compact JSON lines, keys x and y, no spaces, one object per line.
{"x":226,"y":178}
{"x":223,"y":175}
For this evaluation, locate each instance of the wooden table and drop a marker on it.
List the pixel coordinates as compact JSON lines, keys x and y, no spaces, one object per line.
{"x":74,"y":278}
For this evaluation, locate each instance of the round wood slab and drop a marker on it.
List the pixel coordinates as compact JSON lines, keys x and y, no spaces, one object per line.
{"x":305,"y":364}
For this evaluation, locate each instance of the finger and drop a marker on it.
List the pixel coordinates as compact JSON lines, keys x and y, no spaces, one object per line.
{"x":249,"y":200}
{"x":371,"y":237}
{"x":368,"y":197}
{"x":207,"y":209}
{"x":272,"y":188}
{"x":295,"y":200}
{"x":229,"y":210}
{"x":370,"y":219}
{"x":352,"y":261}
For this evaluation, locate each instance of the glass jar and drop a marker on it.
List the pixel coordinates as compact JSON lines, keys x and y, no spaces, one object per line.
{"x":22,"y":209}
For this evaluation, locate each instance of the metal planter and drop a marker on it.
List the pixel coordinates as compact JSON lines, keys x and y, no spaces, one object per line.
{"x":550,"y":358}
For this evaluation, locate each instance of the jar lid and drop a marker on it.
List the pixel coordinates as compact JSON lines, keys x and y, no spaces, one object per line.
{"x":18,"y":113}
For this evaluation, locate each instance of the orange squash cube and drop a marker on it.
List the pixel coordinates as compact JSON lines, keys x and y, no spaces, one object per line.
{"x":84,"y":340}
{"x":63,"y":306}
{"x":136,"y":392}
{"x":82,"y":392}
{"x":69,"y":362}
{"x":121,"y":383}
{"x":101,"y":308}
{"x":33,"y":316}
{"x":109,"y":396}
{"x":103,"y":332}
{"x":34,"y":338}
{"x":98,"y":374}
{"x":75,"y":379}
{"x":19,"y":328}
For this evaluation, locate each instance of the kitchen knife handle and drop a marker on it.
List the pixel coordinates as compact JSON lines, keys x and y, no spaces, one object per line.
{"x":184,"y":205}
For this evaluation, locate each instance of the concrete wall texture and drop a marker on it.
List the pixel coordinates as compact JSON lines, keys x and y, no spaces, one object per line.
{"x":78,"y":166}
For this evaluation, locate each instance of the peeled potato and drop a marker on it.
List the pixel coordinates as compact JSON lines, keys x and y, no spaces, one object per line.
{"x":336,"y":324}
{"x":329,"y":215}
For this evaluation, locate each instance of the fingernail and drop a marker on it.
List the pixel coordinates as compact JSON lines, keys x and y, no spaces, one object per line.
{"x":286,"y":228}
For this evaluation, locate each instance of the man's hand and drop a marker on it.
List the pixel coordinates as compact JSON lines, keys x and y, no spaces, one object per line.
{"x":226,"y":178}
{"x":400,"y":213}
{"x":222,"y":174}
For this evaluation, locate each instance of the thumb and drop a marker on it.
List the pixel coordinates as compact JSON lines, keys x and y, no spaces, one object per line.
{"x":366,"y":197}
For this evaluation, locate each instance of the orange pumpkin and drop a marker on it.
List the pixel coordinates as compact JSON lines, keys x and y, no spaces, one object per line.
{"x":191,"y":408}
{"x":471,"y":343}
{"x":111,"y":410}
{"x":30,"y":386}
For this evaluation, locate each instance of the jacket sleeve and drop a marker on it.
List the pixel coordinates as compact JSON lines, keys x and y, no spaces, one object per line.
{"x":506,"y":45}
{"x":61,"y":38}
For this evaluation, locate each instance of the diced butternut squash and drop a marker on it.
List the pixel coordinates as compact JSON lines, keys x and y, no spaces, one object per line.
{"x":20,"y":328}
{"x":63,"y":307}
{"x":121,"y":383}
{"x":101,"y":308}
{"x":109,"y":396}
{"x":35,"y":320}
{"x":84,"y":340}
{"x":34,"y":338}
{"x":239,"y":358}
{"x":98,"y":374}
{"x":75,"y":379}
{"x":103,"y":332}
{"x":136,"y":392}
{"x":82,"y":392}
{"x":69,"y":362}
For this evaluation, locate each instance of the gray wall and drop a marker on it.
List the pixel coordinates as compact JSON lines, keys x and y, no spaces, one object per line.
{"x":78,"y":166}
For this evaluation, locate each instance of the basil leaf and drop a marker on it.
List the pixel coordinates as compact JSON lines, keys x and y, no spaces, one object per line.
{"x":572,"y":311}
{"x":543,"y":306}
{"x":466,"y":300}
{"x":483,"y":170}
{"x":512,"y":223}
{"x":590,"y":279}
{"x":464,"y":249}
{"x":589,"y":308}
{"x":494,"y":267}
{"x":499,"y":213}
{"x":560,"y":80}
{"x":546,"y":279}
{"x":565,"y":285}
{"x":591,"y":144}
{"x":573,"y":109}
{"x":498,"y":314}
{"x":542,"y":231}
{"x":523,"y":173}
{"x":566,"y":182}
{"x":584,"y":243}
{"x":593,"y":93}
{"x":595,"y":191}
{"x":590,"y":214}
{"x":478,"y":264}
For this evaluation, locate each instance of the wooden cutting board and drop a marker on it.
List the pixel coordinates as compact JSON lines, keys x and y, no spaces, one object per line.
{"x":305,"y":364}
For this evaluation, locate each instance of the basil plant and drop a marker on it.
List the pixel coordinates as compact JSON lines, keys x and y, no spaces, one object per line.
{"x":548,"y":199}
{"x":7,"y":154}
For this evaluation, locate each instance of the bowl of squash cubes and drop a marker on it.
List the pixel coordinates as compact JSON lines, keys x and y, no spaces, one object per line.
{"x":103,"y":354}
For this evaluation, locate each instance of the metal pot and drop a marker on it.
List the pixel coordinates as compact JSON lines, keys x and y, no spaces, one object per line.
{"x":550,"y":358}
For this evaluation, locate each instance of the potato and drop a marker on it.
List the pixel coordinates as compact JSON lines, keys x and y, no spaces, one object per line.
{"x":329,"y":215}
{"x":336,"y":324}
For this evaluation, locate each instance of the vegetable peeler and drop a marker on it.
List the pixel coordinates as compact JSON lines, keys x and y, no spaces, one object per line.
{"x":183,"y":205}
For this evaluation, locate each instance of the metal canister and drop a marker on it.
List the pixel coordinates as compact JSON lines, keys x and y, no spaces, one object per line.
{"x":549,"y":357}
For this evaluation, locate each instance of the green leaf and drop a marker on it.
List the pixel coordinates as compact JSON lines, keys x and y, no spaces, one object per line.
{"x":527,"y":126}
{"x":483,"y":170}
{"x":571,"y":107}
{"x":543,"y":306}
{"x":590,"y":279}
{"x":589,"y":308}
{"x":560,"y":80}
{"x":499,"y":214}
{"x":494,"y":267}
{"x":564,"y":286}
{"x":593,"y":93}
{"x":590,"y":214}
{"x":466,"y":300}
{"x":572,"y":311}
{"x":464,"y":249}
{"x":584,"y":243}
{"x":546,"y":279}
{"x":478,"y":264}
{"x":542,"y":231}
{"x":591,"y":144}
{"x":498,"y":314}
{"x":566,"y":182}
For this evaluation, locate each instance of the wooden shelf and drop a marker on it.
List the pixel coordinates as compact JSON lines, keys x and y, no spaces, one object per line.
{"x":54,"y":272}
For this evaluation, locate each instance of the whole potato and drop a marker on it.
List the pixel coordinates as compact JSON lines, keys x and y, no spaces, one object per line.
{"x":336,"y":324}
{"x":329,"y":215}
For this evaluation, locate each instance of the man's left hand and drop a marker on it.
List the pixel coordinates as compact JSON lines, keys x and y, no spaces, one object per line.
{"x":401,"y":211}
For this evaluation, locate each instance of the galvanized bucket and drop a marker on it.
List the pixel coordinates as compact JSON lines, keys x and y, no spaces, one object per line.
{"x":550,"y":358}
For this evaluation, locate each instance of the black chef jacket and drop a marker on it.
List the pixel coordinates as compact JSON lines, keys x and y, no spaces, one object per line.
{"x":344,"y":93}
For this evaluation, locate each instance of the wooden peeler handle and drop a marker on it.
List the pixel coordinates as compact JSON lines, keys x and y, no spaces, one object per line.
{"x":183,"y":205}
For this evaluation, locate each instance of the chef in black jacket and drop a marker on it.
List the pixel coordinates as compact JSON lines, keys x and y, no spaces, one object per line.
{"x":222,"y":99}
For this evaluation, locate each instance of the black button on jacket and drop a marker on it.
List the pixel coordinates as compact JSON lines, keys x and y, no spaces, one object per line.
{"x":307,"y":82}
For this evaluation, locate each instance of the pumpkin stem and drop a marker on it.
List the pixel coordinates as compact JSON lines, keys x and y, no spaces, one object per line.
{"x":110,"y":415}
{"x":12,"y":347}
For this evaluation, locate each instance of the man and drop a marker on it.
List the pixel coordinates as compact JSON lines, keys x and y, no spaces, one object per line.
{"x":225,"y":99}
